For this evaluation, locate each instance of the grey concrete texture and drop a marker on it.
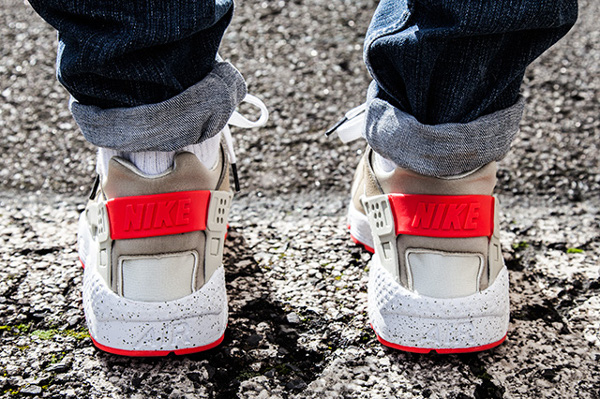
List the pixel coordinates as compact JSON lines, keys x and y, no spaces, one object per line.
{"x":296,"y":284}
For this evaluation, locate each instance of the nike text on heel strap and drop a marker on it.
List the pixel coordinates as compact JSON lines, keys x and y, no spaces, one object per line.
{"x":166,"y":214}
{"x":157,"y":215}
{"x":458,"y":216}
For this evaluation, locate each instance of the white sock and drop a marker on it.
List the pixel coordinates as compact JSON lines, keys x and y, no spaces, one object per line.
{"x":384,"y":164}
{"x":157,"y":162}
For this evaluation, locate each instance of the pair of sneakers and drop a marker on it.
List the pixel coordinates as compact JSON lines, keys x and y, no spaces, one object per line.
{"x":154,"y":282}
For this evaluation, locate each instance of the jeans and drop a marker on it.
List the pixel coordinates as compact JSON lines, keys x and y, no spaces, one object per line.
{"x":446,"y":74}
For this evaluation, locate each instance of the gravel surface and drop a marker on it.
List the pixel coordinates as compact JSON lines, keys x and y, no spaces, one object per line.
{"x":297,"y":285}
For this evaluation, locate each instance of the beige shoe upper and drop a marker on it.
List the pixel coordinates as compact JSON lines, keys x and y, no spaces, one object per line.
{"x":427,"y":264}
{"x":166,"y":267}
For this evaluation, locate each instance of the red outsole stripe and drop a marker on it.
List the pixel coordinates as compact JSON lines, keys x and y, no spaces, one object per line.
{"x":448,"y":351}
{"x":365,"y":246}
{"x":132,"y":353}
{"x":357,"y":242}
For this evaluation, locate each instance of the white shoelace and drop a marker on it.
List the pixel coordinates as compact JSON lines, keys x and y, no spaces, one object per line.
{"x":239,"y":121}
{"x":351,"y":126}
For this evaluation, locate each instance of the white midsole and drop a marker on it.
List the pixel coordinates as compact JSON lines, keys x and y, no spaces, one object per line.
{"x":196,"y":320}
{"x":405,"y":318}
{"x":359,"y":226}
{"x":192,"y":321}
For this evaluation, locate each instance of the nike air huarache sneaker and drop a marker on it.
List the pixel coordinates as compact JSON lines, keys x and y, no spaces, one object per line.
{"x":152,"y":249}
{"x":437,"y":278}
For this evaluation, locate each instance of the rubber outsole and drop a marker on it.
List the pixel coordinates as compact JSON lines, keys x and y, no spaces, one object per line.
{"x":153,"y":353}
{"x":178,"y":352}
{"x":357,"y":242}
{"x":410,"y":349}
{"x":440,"y":351}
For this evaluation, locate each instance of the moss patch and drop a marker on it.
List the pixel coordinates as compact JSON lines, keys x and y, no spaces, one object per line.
{"x":18,"y":329}
{"x":519,"y":246}
{"x":574,"y":251}
{"x":50,"y":333}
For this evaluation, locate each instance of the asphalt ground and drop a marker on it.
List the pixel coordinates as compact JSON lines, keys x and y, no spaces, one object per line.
{"x":297,"y":285}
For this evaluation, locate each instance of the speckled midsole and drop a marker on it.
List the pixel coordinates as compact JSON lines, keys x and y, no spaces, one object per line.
{"x":406,"y":318}
{"x":196,"y":320}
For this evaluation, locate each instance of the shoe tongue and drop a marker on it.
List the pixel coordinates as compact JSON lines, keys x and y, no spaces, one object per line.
{"x":479,"y":182}
{"x":187,"y":174}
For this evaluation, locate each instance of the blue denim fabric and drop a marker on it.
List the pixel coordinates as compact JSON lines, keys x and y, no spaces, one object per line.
{"x":198,"y":113}
{"x":446,"y":61}
{"x":447,"y":75}
{"x":127,"y":53}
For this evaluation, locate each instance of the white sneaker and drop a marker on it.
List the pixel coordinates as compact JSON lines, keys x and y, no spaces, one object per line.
{"x":152,"y":249}
{"x":437,"y":280}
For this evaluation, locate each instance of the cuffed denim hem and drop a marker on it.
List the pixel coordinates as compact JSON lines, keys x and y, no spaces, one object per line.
{"x":198,"y":113}
{"x":446,"y":149}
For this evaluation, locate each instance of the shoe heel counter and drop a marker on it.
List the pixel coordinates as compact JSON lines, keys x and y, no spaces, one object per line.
{"x":216,"y":231}
{"x":435,"y":266}
{"x":381,"y":220}
{"x":173,"y":266}
{"x":155,"y":266}
{"x":157,"y":278}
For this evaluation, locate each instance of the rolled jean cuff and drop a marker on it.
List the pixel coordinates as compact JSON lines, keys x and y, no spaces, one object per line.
{"x":196,"y":114}
{"x":446,"y":149}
